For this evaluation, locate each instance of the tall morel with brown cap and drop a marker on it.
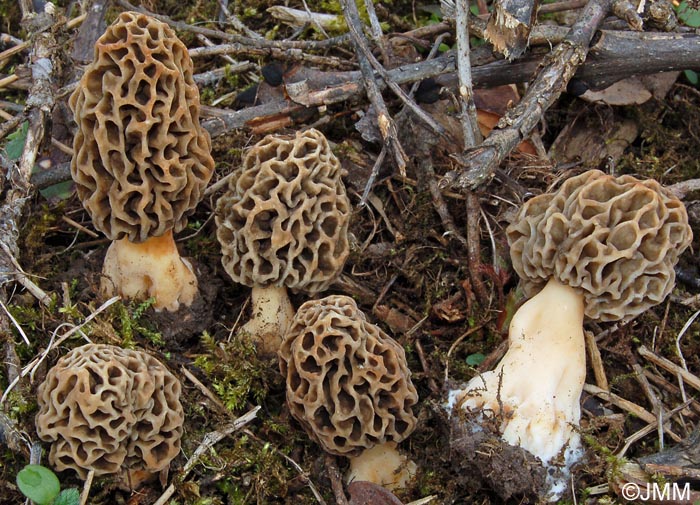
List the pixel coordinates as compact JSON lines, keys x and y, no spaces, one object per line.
{"x":283,"y":224}
{"x":110,"y":410}
{"x":600,"y":247}
{"x":349,"y":386}
{"x":141,"y":159}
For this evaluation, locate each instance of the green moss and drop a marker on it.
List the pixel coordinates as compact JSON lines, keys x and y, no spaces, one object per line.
{"x":236,"y":374}
{"x":130,"y":325}
{"x":18,"y":405}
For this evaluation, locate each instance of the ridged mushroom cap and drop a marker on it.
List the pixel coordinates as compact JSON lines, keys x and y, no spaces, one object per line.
{"x":142,"y":160}
{"x":284,"y":220}
{"x":348,"y":383}
{"x":615,"y":239}
{"x":106,"y":409}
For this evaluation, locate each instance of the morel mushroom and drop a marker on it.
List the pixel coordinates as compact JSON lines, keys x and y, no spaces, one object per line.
{"x":110,"y":410}
{"x":141,"y":160}
{"x":349,"y":386}
{"x":283,"y":224}
{"x":600,"y":247}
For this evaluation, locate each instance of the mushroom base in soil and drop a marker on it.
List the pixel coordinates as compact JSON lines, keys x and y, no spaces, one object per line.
{"x":384,"y":465}
{"x":272,"y":313}
{"x":349,"y":386}
{"x":602,"y":247}
{"x":535,"y":389}
{"x":152,"y":268}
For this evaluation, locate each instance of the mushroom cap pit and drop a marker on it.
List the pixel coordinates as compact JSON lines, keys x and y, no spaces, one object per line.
{"x":106,"y":409}
{"x":285,"y":218}
{"x":142,"y":159}
{"x":615,"y":239}
{"x":348,"y":383}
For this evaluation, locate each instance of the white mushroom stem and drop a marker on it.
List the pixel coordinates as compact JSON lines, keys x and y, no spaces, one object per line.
{"x":271,"y":317}
{"x":152,"y":268}
{"x":539,"y":381}
{"x":384,"y":465}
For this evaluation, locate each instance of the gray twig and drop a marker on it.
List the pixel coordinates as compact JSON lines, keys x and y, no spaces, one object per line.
{"x":386,"y":124}
{"x":470,"y":128}
{"x":479,"y":163}
{"x":260,"y":43}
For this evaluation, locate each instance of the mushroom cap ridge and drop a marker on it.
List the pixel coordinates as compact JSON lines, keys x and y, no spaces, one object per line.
{"x":616,"y":240}
{"x":142,"y":160}
{"x":109,"y":409}
{"x":284,"y":220}
{"x":348,"y":383}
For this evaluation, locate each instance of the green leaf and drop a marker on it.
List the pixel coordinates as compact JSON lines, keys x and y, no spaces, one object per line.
{"x":15,"y":143}
{"x":38,"y":483}
{"x":68,"y":497}
{"x":692,"y":77}
{"x":475,"y":359}
{"x":689,"y":16}
{"x":61,"y":191}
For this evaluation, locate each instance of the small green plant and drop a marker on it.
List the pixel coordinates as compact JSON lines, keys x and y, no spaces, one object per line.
{"x":15,"y":142}
{"x":41,"y":485}
{"x":475,"y":359}
{"x":130,"y":319}
{"x":237,"y":375}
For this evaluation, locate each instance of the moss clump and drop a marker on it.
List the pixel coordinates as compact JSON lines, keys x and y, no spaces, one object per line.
{"x":236,"y":373}
{"x":129,"y":325}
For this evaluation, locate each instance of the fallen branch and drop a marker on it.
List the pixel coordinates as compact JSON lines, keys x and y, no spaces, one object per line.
{"x":638,"y":53}
{"x":252,"y":42}
{"x":467,"y":116}
{"x":509,"y":26}
{"x":479,"y":163}
{"x":628,"y":406}
{"x":312,"y":88}
{"x":385,"y":122}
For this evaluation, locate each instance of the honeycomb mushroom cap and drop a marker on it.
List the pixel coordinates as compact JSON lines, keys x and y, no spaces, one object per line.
{"x":106,"y":409}
{"x":141,"y":159}
{"x":284,"y":220}
{"x":614,"y":239}
{"x":347,"y":381}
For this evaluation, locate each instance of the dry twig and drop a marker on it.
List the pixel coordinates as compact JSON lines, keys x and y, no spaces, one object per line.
{"x":336,"y":480}
{"x":479,"y":163}
{"x":628,"y":406}
{"x":385,"y":122}
{"x":470,"y":128}
{"x":209,"y":440}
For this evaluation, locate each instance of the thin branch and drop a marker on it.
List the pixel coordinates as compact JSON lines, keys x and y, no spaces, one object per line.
{"x":260,"y":43}
{"x":386,"y":124}
{"x":628,"y":406}
{"x":668,"y":365}
{"x":236,"y":23}
{"x":479,"y":163}
{"x":470,"y":128}
{"x":564,"y":5}
{"x":288,"y":54}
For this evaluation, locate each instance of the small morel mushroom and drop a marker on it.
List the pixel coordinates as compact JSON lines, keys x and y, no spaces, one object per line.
{"x":110,"y":410}
{"x":283,"y":224}
{"x":141,"y":159}
{"x":349,"y":386}
{"x":600,"y":247}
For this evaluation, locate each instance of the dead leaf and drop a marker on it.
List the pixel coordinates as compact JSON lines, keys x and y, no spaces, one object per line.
{"x":634,"y":90}
{"x":368,"y":493}
{"x":596,"y":135}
